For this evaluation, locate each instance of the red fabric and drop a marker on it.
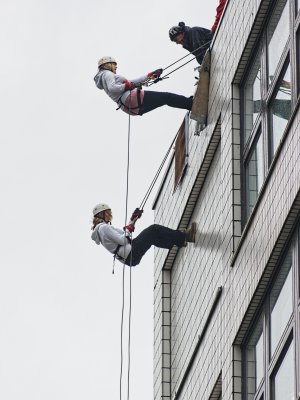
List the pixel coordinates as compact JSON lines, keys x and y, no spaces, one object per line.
{"x":155,"y":74}
{"x":129,"y":228}
{"x":128,"y":85}
{"x":219,"y":15}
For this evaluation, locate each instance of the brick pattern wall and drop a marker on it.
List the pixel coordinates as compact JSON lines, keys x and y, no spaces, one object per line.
{"x":220,"y":256}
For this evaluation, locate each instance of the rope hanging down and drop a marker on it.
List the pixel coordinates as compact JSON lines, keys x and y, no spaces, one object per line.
{"x":144,"y":201}
{"x":123,"y":285}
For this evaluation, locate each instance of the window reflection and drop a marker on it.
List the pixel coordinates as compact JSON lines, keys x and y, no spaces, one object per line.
{"x":254,"y":174}
{"x":277,"y":33}
{"x":284,"y":380}
{"x":255,"y":360}
{"x":252,"y":96}
{"x":281,"y":302}
{"x":280,"y":109}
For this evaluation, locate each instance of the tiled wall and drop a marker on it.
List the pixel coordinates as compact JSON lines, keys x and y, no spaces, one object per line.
{"x":183,"y":296}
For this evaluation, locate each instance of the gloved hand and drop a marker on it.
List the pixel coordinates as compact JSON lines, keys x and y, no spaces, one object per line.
{"x":129,"y":85}
{"x":155,"y":74}
{"x":130,"y":228}
{"x":137,"y":213}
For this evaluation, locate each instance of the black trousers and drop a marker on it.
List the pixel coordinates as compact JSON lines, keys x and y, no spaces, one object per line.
{"x":154,"y":235}
{"x":154,"y":100}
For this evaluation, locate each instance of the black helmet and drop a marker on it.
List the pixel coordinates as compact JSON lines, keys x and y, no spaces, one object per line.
{"x":176,"y":30}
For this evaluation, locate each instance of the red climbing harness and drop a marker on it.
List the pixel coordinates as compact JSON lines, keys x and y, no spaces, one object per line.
{"x":133,"y":102}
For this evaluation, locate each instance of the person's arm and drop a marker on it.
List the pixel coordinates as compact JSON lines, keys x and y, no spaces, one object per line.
{"x":137,"y":213}
{"x":151,"y":75}
{"x":140,"y":80}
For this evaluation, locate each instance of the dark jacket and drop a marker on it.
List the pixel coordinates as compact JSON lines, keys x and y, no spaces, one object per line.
{"x":194,"y":38}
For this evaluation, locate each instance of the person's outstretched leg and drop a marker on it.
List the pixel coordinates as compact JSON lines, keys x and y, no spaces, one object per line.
{"x":154,"y":100}
{"x":154,"y":235}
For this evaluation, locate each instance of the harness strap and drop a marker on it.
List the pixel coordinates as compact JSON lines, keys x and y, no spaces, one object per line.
{"x":116,"y":255}
{"x":121,"y":104}
{"x":139,"y":98}
{"x":116,"y":251}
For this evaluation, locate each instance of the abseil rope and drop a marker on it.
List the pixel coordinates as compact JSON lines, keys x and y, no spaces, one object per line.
{"x":130,"y":277}
{"x":156,"y":175}
{"x":123,"y":281}
{"x":129,"y":327}
{"x":143,"y":203}
{"x":191,"y":52}
{"x":175,"y":62}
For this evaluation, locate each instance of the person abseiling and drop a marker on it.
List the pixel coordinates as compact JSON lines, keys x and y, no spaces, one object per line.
{"x":117,"y":241}
{"x":128,"y":93}
{"x":196,"y":40}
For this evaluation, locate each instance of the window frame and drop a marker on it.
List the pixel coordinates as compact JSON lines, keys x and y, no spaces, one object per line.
{"x":268,"y":93}
{"x":291,"y":332}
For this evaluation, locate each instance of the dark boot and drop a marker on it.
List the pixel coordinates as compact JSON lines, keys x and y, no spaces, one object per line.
{"x":190,"y":234}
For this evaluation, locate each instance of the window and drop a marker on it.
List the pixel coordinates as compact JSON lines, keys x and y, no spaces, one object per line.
{"x":254,"y":174}
{"x":298,"y":58}
{"x":283,"y":382}
{"x":281,"y":303}
{"x":269,"y":351}
{"x":277,"y":35}
{"x":252,"y":97}
{"x":280,"y":109}
{"x":266,"y":100}
{"x":255,"y":359}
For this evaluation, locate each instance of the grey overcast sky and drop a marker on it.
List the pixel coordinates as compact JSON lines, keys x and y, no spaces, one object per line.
{"x":63,"y":149}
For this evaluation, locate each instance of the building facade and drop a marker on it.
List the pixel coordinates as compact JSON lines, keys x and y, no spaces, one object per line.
{"x":227,"y":309}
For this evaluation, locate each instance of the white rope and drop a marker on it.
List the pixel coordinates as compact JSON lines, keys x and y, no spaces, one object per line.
{"x":123,"y":284}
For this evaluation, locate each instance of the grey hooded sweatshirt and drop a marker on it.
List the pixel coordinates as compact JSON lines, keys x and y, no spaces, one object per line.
{"x":110,"y":238}
{"x":114,"y":85}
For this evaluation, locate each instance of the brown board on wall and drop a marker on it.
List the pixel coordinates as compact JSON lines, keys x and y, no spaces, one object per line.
{"x":200,"y":104}
{"x":181,"y":152}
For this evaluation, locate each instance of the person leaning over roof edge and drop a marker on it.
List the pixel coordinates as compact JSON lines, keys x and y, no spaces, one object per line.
{"x":130,"y":252}
{"x":196,"y":40}
{"x":129,"y":95}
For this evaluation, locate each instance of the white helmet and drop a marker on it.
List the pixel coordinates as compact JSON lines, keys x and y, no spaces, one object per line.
{"x":106,"y":59}
{"x":100,"y":207}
